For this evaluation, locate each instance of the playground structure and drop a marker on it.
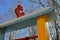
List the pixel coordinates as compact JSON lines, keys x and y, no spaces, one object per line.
{"x":38,"y":18}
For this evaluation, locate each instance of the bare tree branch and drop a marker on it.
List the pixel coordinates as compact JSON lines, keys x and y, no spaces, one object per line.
{"x":33,"y":1}
{"x":40,"y":3}
{"x":55,"y":3}
{"x":56,"y":27}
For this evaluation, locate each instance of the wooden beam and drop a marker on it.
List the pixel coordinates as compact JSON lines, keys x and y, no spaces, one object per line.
{"x":29,"y":37}
{"x":42,"y":32}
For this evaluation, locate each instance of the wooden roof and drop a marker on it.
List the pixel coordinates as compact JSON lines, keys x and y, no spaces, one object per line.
{"x":29,"y":16}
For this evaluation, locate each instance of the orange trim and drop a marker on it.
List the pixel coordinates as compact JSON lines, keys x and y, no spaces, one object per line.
{"x":42,"y":32}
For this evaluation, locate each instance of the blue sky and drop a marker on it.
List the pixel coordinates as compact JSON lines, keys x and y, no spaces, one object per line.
{"x":7,"y":8}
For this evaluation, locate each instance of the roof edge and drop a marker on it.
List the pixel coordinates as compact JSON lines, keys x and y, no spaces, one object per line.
{"x":29,"y":16}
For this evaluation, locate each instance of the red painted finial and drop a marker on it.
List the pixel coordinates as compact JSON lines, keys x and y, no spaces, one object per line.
{"x":19,"y":11}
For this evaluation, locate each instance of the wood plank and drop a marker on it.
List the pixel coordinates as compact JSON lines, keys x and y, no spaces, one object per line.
{"x":42,"y":32}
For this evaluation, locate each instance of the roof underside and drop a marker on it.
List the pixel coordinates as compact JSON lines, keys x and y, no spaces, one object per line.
{"x":29,"y":16}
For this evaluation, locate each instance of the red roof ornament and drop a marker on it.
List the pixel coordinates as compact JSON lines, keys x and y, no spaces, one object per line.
{"x":19,"y":11}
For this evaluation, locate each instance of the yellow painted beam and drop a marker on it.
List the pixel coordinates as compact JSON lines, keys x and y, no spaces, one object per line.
{"x":42,"y":32}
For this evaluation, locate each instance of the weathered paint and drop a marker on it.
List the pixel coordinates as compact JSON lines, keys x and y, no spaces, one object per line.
{"x":42,"y":33}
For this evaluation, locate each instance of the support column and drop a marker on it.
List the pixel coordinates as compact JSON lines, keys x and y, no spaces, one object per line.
{"x":1,"y":34}
{"x":42,"y":32}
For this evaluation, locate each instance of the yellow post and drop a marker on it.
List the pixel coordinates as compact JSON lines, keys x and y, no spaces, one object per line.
{"x":42,"y":33}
